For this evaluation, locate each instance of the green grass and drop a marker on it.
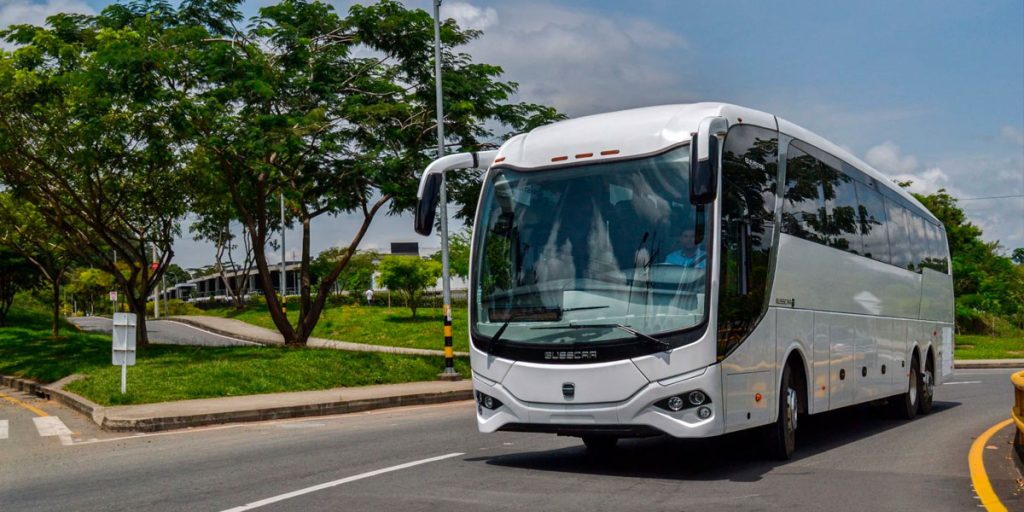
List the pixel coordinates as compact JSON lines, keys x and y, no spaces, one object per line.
{"x":975,"y":346}
{"x":372,"y":325}
{"x":165,"y":373}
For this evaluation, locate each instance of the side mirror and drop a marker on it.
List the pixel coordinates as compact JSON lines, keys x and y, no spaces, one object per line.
{"x":426,"y":208}
{"x":704,"y":164}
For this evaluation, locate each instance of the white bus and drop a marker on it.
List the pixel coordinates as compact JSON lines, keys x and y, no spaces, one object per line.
{"x":695,"y":270}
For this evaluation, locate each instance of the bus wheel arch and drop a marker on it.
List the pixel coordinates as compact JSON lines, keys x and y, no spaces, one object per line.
{"x":796,"y":361}
{"x":791,"y":400}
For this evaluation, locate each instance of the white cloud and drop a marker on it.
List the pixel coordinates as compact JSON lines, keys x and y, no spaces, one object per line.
{"x":889,"y":158}
{"x":575,"y":60}
{"x":1012,"y":134}
{"x":16,"y":12}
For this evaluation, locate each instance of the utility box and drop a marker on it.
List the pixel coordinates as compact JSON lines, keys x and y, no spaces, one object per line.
{"x":124,"y":339}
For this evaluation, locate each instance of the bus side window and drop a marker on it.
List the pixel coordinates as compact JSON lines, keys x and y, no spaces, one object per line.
{"x":803,"y":208}
{"x":749,"y":184}
{"x":872,"y":221}
{"x":919,"y":242}
{"x":899,"y":235}
{"x":843,"y":232}
{"x":941,"y":250}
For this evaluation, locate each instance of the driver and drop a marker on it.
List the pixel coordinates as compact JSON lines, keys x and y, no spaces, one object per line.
{"x":688,"y":254}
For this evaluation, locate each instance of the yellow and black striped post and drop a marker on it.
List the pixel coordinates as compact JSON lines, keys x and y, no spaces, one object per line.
{"x":449,"y":351}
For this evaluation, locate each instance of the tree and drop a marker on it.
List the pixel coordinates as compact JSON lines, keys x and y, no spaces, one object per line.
{"x":90,"y":285}
{"x":410,"y":276}
{"x":1018,"y":256}
{"x":176,"y":275}
{"x":87,"y":135}
{"x":16,"y":274}
{"x":337,"y":115}
{"x":458,"y":253}
{"x":358,"y":274}
{"x":23,"y":229}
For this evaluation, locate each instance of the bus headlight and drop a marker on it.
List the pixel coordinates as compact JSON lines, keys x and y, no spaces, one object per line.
{"x":487,"y":401}
{"x":678,"y":403}
{"x":697,"y":397}
{"x":675,"y":404}
{"x":704,"y":412}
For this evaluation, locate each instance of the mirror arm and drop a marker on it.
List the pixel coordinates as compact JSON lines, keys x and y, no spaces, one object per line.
{"x":430,"y":183}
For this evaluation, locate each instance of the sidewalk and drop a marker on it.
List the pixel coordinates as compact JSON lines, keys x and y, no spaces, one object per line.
{"x":236,"y":409}
{"x":248,"y":332}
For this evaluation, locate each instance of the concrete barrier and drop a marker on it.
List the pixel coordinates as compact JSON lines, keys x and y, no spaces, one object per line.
{"x":1018,"y":411}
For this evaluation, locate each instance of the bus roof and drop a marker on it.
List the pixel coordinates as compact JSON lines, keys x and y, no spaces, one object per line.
{"x":648,"y":130}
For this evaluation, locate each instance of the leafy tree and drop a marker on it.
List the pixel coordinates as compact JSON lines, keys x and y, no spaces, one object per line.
{"x":88,"y":134}
{"x":1018,"y":256}
{"x":410,"y":276}
{"x":358,"y":274}
{"x":176,"y":275}
{"x":23,"y":229}
{"x":90,"y":285}
{"x":337,"y":115}
{"x":458,"y":253}
{"x":16,"y":274}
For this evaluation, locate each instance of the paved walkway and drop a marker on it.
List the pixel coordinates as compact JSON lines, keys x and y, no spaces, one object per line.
{"x":246,"y":331}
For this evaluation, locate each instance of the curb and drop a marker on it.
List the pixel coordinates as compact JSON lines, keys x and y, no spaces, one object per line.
{"x":969,"y":365}
{"x":108,"y":420}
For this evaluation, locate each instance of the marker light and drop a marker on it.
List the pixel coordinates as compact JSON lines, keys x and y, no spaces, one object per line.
{"x":697,"y":397}
{"x":704,"y":412}
{"x":487,"y":401}
{"x":675,"y":404}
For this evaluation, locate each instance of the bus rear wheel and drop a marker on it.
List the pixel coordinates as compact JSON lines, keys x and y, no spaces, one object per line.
{"x":905,"y":406}
{"x":927,"y":388}
{"x":782,"y":434}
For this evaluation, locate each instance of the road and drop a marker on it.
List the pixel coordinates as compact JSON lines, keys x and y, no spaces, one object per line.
{"x":853,"y":460}
{"x":164,"y":332}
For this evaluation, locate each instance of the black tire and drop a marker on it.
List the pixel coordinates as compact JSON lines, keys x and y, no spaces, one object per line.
{"x":926,"y":385}
{"x":905,"y":406}
{"x":782,"y":434}
{"x":600,"y":444}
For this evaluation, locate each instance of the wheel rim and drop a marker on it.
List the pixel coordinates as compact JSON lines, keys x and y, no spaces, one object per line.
{"x":926,"y":389}
{"x":791,"y":412}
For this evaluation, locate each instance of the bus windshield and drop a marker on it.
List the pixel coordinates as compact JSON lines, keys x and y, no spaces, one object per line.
{"x":590,"y":254}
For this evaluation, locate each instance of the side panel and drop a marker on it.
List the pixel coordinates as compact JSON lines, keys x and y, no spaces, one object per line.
{"x":748,"y":371}
{"x":796,"y":328}
{"x":842,"y":352}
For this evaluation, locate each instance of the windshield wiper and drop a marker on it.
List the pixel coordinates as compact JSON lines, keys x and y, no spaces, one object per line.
{"x":626,"y":328}
{"x":526,"y":314}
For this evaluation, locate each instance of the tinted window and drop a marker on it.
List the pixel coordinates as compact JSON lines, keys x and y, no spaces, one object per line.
{"x":871,"y":220}
{"x":942,"y":250}
{"x":803,"y":208}
{"x":899,"y":235}
{"x":843,"y":232}
{"x":749,"y":181}
{"x":936,"y":259}
{"x":919,"y":240}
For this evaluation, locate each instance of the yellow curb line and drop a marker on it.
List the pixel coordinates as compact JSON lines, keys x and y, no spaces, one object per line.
{"x":982,"y":487}
{"x":15,"y":401}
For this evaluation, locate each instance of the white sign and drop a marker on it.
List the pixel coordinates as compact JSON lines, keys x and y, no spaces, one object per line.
{"x":124,"y":344}
{"x":113,"y":296}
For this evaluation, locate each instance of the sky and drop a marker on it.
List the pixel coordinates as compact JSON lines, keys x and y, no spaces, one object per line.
{"x":931,"y":92}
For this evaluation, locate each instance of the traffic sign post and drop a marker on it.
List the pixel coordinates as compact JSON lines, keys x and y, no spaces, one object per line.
{"x":124,"y":344}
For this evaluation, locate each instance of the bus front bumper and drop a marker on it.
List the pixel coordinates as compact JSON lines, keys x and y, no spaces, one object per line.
{"x":636,"y":416}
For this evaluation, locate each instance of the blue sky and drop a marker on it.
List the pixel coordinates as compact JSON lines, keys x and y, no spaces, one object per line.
{"x":929,"y":91}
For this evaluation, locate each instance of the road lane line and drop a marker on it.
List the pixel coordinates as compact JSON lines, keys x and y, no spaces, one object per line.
{"x":963,"y":382}
{"x":15,"y":401}
{"x":52,"y":426}
{"x":975,"y":459}
{"x":307,"y":490}
{"x":3,"y":429}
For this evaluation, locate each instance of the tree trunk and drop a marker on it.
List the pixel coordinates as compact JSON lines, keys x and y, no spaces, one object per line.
{"x":56,"y":307}
{"x":138,"y":306}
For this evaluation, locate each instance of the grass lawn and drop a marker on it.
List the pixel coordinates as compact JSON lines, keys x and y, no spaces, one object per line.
{"x":376,"y":325}
{"x":166,"y":372}
{"x":975,"y":346}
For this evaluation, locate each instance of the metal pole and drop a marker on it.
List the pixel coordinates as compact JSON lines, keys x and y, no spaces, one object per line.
{"x":284,"y":282}
{"x":449,"y":353}
{"x":124,"y":373}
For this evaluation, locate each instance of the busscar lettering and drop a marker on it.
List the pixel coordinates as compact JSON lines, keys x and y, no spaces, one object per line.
{"x":570,"y":355}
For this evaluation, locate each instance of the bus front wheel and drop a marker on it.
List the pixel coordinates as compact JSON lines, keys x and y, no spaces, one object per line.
{"x":782,"y":434}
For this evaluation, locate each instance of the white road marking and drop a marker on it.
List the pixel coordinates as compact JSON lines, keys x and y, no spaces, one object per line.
{"x":965,"y":382}
{"x":3,"y":429}
{"x":327,"y":485}
{"x":49,"y":426}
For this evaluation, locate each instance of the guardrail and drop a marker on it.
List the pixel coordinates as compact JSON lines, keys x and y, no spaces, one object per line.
{"x":1018,"y":411}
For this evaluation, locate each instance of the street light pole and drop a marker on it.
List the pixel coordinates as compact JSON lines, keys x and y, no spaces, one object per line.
{"x":449,"y":372}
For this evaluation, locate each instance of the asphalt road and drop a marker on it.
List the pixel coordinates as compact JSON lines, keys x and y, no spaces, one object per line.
{"x":852,"y":460}
{"x":164,"y":332}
